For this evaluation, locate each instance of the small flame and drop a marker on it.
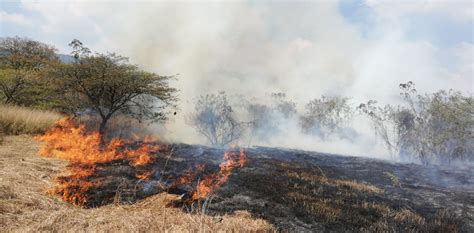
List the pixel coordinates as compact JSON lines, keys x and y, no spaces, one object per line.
{"x":144,"y":175}
{"x":214,"y":181}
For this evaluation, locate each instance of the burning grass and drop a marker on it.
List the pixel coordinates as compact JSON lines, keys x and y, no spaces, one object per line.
{"x":290,"y":189}
{"x":87,"y":154}
{"x":19,"y":120}
{"x":25,"y":207}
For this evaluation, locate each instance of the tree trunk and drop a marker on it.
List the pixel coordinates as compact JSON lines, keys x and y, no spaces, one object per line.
{"x":102,"y":129}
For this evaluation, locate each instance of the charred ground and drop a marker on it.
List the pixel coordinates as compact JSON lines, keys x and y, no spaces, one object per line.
{"x":303,"y":191}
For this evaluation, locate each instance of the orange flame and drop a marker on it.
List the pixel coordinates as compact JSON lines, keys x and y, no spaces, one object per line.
{"x":83,"y":150}
{"x":214,"y":181}
{"x":189,"y":175}
{"x":68,"y":142}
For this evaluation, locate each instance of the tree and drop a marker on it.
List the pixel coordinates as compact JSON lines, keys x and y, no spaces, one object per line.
{"x":394,"y":125}
{"x":431,"y":126}
{"x":326,"y":115}
{"x":22,"y":61}
{"x":214,"y":118}
{"x":108,"y":85}
{"x":267,"y":119}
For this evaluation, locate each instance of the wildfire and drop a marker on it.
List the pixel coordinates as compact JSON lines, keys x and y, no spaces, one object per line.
{"x":213,"y":181}
{"x":83,"y":151}
{"x":86,"y":154}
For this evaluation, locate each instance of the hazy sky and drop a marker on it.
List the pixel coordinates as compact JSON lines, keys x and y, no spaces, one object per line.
{"x":331,"y":46}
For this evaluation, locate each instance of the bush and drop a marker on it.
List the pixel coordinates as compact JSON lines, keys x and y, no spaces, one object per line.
{"x":214,"y":118}
{"x":20,"y":120}
{"x":266,"y":120}
{"x":438,"y":126}
{"x":326,"y":116}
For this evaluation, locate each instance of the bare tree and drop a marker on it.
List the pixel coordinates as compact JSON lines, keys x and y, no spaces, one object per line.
{"x":214,"y":118}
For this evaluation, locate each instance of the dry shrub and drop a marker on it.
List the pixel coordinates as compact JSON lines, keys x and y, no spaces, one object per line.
{"x":26,"y":207}
{"x":20,"y":120}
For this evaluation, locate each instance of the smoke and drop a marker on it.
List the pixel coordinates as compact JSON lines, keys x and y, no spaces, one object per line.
{"x":303,"y":49}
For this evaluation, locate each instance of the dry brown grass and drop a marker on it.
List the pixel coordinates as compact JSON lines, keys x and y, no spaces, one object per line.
{"x":348,"y":184}
{"x":25,"y":206}
{"x":19,"y":120}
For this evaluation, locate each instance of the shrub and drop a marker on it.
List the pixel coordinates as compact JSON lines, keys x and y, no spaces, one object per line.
{"x":266,"y":120}
{"x":438,"y":126}
{"x":214,"y":118}
{"x":326,"y":115}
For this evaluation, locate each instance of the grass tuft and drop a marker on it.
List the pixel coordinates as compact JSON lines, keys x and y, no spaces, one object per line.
{"x":16,"y":120}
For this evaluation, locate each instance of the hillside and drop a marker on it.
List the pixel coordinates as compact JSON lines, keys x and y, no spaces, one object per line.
{"x":289,"y":189}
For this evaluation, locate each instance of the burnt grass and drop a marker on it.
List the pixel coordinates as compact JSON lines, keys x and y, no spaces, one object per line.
{"x":303,"y":191}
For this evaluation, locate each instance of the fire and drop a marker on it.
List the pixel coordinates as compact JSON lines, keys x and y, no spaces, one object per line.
{"x":86,"y":154}
{"x":214,"y":181}
{"x":83,"y":150}
{"x":69,"y":142}
{"x":189,"y":175}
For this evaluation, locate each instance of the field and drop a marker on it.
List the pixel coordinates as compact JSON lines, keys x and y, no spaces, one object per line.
{"x":25,"y":205}
{"x":276,"y":189}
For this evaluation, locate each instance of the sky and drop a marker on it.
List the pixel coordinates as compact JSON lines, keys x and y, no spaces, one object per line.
{"x":357,"y":48}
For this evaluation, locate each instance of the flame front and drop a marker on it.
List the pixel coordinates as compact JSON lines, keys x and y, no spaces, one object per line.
{"x":83,"y":151}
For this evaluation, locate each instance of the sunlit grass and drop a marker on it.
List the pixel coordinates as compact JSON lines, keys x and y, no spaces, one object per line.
{"x":20,"y":120}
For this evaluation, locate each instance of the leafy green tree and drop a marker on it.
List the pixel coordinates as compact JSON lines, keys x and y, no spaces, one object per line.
{"x":108,"y":85}
{"x":22,"y":63}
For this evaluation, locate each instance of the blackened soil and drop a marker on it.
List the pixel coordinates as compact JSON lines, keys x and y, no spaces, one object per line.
{"x":306,"y":191}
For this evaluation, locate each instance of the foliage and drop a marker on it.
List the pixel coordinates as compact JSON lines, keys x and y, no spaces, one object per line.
{"x":432,"y":126}
{"x":213,"y":117}
{"x":393,"y":178}
{"x":22,"y":64}
{"x":266,"y":119}
{"x":108,"y":85}
{"x":326,"y":115}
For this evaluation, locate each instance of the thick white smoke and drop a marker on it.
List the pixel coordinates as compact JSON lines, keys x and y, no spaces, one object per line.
{"x":304,"y":49}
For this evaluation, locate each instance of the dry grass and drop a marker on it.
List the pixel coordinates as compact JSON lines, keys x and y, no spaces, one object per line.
{"x":361,"y":206}
{"x":19,"y":120}
{"x":25,"y":206}
{"x":348,"y":184}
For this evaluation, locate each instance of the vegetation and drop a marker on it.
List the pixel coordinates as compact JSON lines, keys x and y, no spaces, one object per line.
{"x":214,"y":118}
{"x":438,"y":126}
{"x":108,"y":85}
{"x":103,"y":84}
{"x":22,"y":65}
{"x":265,"y":119}
{"x":21,"y":120}
{"x":325,"y":116}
